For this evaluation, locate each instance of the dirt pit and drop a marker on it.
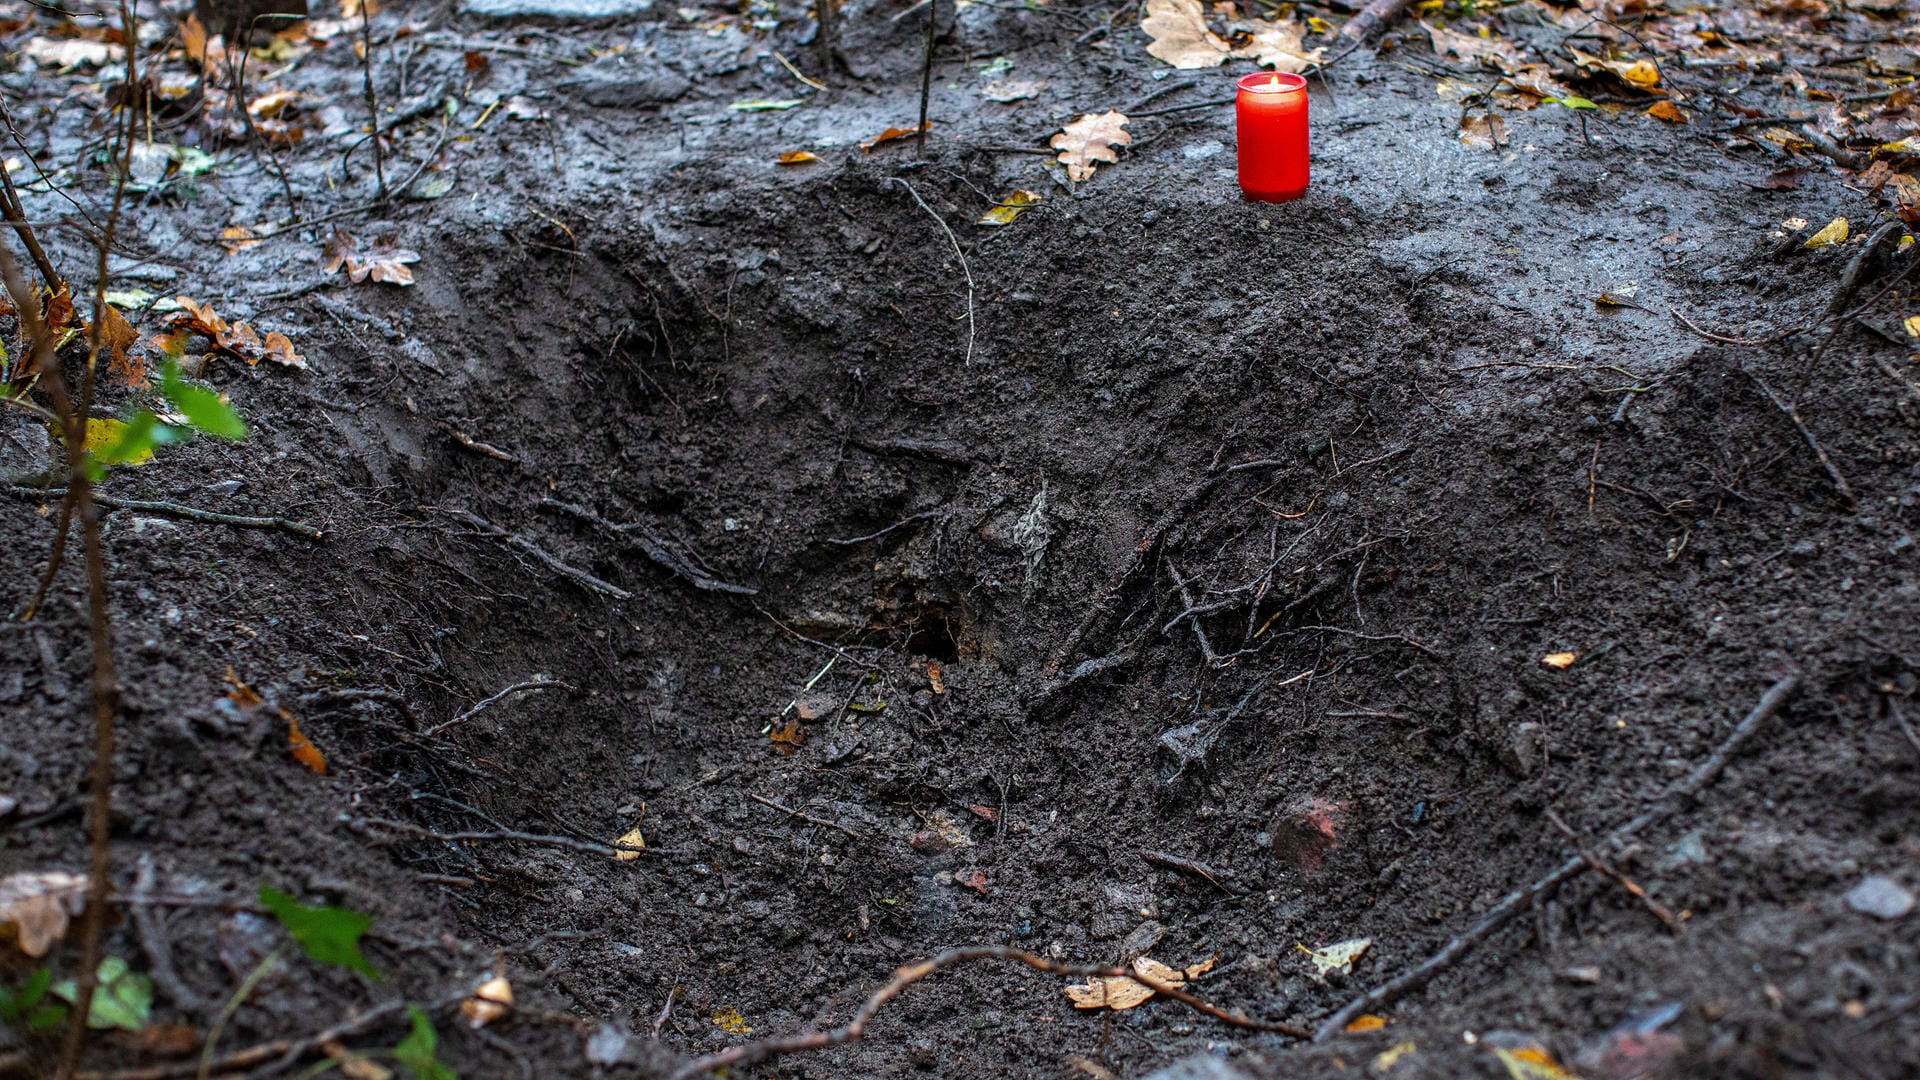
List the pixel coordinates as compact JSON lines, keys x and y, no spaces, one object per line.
{"x":1161,"y":575}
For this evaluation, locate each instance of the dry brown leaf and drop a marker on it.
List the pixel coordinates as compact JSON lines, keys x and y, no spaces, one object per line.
{"x":384,"y":261}
{"x":632,"y":838}
{"x":1119,"y":992}
{"x":37,"y":905}
{"x":1473,"y":47}
{"x":787,"y":735}
{"x":1560,"y":660}
{"x":57,"y":311}
{"x":354,"y":1066}
{"x":1668,"y":111}
{"x":1008,"y":90}
{"x":798,"y":157}
{"x":117,"y":336}
{"x":1486,"y":131}
{"x":302,"y":747}
{"x":1091,"y":139}
{"x":937,"y":675}
{"x":890,"y":135}
{"x":1639,"y":74}
{"x":1181,"y":38}
{"x":238,"y":238}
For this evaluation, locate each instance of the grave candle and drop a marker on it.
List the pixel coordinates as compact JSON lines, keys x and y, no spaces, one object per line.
{"x":1270,"y":116}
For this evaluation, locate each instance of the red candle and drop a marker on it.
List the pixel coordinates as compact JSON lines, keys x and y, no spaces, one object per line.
{"x":1271,"y":118}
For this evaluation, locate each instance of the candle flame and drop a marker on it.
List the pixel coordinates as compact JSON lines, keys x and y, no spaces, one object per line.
{"x":1275,"y":81}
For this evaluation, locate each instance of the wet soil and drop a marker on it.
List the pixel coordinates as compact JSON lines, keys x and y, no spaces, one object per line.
{"x":1315,"y":486}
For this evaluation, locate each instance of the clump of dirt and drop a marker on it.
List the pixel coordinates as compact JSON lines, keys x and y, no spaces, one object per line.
{"x":1174,"y":578}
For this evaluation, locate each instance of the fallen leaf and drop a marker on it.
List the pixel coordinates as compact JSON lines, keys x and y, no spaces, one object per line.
{"x":1392,"y":1055}
{"x":1618,"y":295}
{"x":764,"y":104}
{"x":798,"y":157}
{"x":1179,"y":33}
{"x":355,"y":1066}
{"x":731,"y":1022}
{"x":69,"y":53}
{"x":937,"y":675}
{"x":787,"y":735}
{"x":1913,"y":326}
{"x":1639,"y":74}
{"x":122,"y":997}
{"x":632,"y":838}
{"x":117,"y":335}
{"x":1010,"y":208}
{"x":238,"y":238}
{"x":1668,"y":111}
{"x":1484,"y":131}
{"x":490,"y":1001}
{"x":1906,"y":147}
{"x":1531,"y":1063}
{"x":1009,"y":90}
{"x":989,"y":813}
{"x":384,"y":261}
{"x":1560,"y":660}
{"x":37,"y":905}
{"x":890,"y":135}
{"x":1830,"y":235}
{"x":1472,"y":47}
{"x":1337,"y":957}
{"x":1367,"y":1022}
{"x":1194,"y":971}
{"x":302,"y":747}
{"x":1091,"y":139}
{"x":270,"y":105}
{"x":1120,"y":992}
{"x":103,"y":435}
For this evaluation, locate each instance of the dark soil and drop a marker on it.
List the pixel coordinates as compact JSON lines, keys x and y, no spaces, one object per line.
{"x":739,"y":374}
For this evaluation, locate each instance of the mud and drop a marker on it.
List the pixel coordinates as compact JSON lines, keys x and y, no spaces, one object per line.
{"x":1382,"y":440}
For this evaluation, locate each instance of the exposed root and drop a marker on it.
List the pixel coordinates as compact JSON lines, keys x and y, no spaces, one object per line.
{"x":852,"y":1030}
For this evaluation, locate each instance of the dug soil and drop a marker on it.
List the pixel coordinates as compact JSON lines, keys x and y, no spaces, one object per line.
{"x":1161,"y":573}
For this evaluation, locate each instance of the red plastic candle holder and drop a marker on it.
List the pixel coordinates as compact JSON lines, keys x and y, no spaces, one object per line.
{"x":1270,"y":116}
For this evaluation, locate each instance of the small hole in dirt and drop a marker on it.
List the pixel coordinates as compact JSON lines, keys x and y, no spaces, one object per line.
{"x":933,"y":637}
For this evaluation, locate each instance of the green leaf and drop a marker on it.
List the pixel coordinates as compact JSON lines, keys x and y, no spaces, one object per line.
{"x":47,"y":1017}
{"x":122,"y":998}
{"x":128,"y":299}
{"x":129,"y":443}
{"x":202,"y":407}
{"x":764,"y":104}
{"x":330,"y":935}
{"x":1572,"y":102}
{"x":416,"y":1051}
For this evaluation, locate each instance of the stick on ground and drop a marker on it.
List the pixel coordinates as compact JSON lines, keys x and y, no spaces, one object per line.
{"x":1521,"y":899}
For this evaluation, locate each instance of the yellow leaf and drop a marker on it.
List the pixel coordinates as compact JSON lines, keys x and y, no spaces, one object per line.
{"x":1392,"y":1055}
{"x":797,"y":157}
{"x":1913,"y":326}
{"x":1531,"y":1063}
{"x":1319,"y":25}
{"x":890,"y":135}
{"x":630,"y":839}
{"x":1369,"y":1022}
{"x":302,"y":747}
{"x":1091,"y":139}
{"x":1560,"y":660}
{"x":1010,"y":207}
{"x":1908,"y":145}
{"x":489,"y":1002}
{"x":104,"y":434}
{"x":1337,"y":957}
{"x":1639,"y":74}
{"x":731,"y":1022}
{"x":1833,"y":234}
{"x":1668,"y":111}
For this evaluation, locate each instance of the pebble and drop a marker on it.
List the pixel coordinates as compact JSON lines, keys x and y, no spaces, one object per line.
{"x":1881,"y":897}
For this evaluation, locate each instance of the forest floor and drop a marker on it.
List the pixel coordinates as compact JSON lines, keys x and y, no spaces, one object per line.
{"x":1159,"y":574}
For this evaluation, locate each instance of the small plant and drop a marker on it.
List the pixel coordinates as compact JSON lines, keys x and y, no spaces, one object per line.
{"x":122,"y":997}
{"x":135,"y":440}
{"x":27,"y":1006}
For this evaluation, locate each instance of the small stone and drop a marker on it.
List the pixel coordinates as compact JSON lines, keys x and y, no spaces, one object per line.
{"x":929,"y":842}
{"x":1881,"y":897}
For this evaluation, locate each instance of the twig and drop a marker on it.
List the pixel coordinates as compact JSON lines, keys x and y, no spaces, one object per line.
{"x":373,"y":101}
{"x":478,"y":447}
{"x":1611,"y":873}
{"x":1793,"y":413}
{"x":788,"y":64}
{"x":968,"y":274}
{"x":926,"y":90}
{"x":666,"y":1011}
{"x":530,"y":684}
{"x":1373,"y":19}
{"x":804,"y":817}
{"x":1900,"y":718}
{"x":1401,"y":638}
{"x":1188,"y":107}
{"x":153,"y":941}
{"x":540,"y":839}
{"x":1086,"y":669}
{"x":287,"y":1049}
{"x":1192,"y":617}
{"x":901,"y":524}
{"x":653,"y":548}
{"x":175,"y":510}
{"x":1521,"y":899}
{"x":1185,"y":865}
{"x":528,"y":547}
{"x":903,"y":977}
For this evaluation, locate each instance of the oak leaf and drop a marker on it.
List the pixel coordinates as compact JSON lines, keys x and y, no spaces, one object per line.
{"x":38,"y":905}
{"x":1181,"y":38}
{"x":385,"y":260}
{"x":1091,"y":139}
{"x":1473,"y":47}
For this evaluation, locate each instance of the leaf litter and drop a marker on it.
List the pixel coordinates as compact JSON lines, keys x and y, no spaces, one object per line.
{"x":1091,"y":139}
